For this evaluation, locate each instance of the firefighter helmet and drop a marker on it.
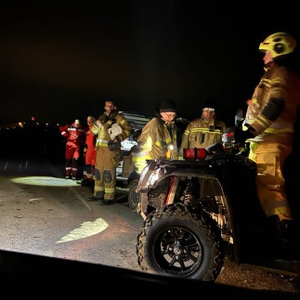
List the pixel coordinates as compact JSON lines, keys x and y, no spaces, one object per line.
{"x":279,"y":43}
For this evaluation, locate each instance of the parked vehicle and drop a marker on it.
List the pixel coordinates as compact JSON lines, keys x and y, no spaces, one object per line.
{"x":125,"y":166}
{"x":198,"y":211}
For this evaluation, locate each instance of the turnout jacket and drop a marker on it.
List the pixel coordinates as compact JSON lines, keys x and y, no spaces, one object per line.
{"x":103,"y":137}
{"x":272,"y":110}
{"x":157,"y":140}
{"x":201,"y":133}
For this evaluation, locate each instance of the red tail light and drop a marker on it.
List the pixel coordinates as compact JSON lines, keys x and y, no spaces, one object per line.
{"x":194,"y":153}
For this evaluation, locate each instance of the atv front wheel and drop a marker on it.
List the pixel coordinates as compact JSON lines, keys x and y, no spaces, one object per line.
{"x":175,"y":241}
{"x":134,"y":198}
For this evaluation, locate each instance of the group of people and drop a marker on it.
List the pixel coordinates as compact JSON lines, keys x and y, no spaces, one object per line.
{"x":159,"y":137}
{"x":268,"y":127}
{"x":79,"y":141}
{"x":101,"y":145}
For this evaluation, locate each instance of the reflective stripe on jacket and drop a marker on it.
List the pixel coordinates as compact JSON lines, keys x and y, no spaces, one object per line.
{"x":201,"y":133}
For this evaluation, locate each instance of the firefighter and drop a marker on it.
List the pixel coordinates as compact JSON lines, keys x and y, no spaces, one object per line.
{"x":110,"y":128}
{"x":269,"y":127}
{"x":158,"y":138}
{"x":75,"y":137}
{"x":204,"y":131}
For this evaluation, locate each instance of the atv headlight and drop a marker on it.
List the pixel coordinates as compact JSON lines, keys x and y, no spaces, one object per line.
{"x":149,"y":177}
{"x":154,"y":177}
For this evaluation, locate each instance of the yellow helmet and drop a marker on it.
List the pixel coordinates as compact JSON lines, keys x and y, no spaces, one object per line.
{"x":279,"y":43}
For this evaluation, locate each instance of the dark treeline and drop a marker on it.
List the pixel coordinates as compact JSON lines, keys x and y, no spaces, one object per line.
{"x":32,"y":141}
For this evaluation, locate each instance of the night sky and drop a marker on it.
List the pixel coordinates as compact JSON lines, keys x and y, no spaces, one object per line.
{"x":60,"y":61}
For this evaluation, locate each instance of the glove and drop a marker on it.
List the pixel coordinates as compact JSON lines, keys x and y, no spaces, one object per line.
{"x":112,"y":146}
{"x":241,"y":136}
{"x":114,"y":130}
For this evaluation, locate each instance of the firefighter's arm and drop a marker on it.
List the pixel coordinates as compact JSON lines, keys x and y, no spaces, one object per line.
{"x":268,"y":115}
{"x":120,"y":130}
{"x":96,"y":127}
{"x":184,"y":141}
{"x":183,"y":145}
{"x":126,"y":129}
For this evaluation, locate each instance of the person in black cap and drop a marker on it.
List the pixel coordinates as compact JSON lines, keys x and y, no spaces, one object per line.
{"x":158,"y":138}
{"x":204,"y":131}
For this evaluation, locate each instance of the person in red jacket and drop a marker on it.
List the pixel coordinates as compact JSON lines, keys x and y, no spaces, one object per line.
{"x":75,"y":137}
{"x":89,"y":153}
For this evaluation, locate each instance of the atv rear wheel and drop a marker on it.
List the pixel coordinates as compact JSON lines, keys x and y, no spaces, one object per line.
{"x":175,"y":241}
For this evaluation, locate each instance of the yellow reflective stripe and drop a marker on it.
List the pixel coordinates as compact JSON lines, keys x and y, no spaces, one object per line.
{"x":138,"y":160}
{"x":102,"y":144}
{"x":140,"y":154}
{"x":109,"y":190}
{"x":263,"y":121}
{"x":204,"y":130}
{"x":98,"y":189}
{"x":279,"y":130}
{"x":167,"y":141}
{"x":102,"y":141}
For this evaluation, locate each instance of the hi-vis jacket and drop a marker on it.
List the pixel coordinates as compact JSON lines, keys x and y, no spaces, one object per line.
{"x":106,"y":121}
{"x":201,"y":133}
{"x":157,"y":140}
{"x":273,"y":108}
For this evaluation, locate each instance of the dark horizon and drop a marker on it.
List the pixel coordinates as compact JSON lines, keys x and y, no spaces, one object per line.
{"x":62,"y":61}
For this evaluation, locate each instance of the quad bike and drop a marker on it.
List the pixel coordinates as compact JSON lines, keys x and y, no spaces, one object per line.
{"x":201,"y":210}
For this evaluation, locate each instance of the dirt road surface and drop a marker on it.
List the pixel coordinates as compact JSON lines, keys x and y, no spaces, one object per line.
{"x":33,"y":218}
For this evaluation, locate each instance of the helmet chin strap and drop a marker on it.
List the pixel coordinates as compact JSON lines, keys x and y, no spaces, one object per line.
{"x":269,"y":65}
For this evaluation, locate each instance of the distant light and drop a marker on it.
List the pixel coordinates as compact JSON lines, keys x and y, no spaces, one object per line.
{"x":32,"y":118}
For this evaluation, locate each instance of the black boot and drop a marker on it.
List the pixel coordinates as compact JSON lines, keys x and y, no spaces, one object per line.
{"x":282,"y":237}
{"x":97,"y":197}
{"x":83,"y":182}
